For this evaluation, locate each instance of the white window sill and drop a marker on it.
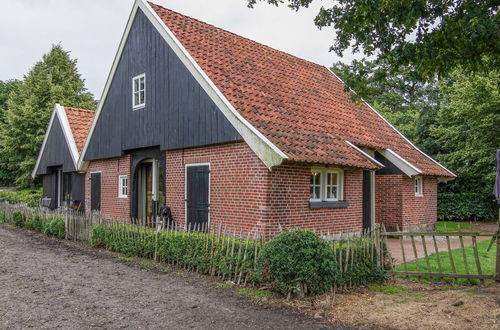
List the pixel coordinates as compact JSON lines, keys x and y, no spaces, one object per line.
{"x":139,"y":107}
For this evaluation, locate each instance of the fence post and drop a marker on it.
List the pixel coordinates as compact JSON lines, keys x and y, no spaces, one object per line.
{"x":497,"y":272}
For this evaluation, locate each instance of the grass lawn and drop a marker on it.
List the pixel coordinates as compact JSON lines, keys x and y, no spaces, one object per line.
{"x":451,"y":225}
{"x":487,"y":261}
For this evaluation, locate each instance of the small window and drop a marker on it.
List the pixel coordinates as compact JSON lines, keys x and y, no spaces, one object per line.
{"x":326,"y":184}
{"x":316,"y":185}
{"x":139,"y":91}
{"x":419,"y":189}
{"x":122,"y":186}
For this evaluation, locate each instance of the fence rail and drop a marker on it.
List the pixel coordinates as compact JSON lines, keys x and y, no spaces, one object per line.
{"x":449,"y":254}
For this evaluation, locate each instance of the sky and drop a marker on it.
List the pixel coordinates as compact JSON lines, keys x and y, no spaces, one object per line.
{"x":91,"y":30}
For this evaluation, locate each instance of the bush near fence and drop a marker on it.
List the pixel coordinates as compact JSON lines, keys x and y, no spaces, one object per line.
{"x":351,"y":262}
{"x":315,"y":264}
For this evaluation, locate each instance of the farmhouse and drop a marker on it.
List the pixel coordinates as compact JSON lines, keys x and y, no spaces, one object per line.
{"x":225,"y":130}
{"x":57,"y":161}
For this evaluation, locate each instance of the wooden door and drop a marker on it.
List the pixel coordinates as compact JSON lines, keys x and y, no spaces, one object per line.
{"x":95,"y":191}
{"x":197,"y":194}
{"x":367,"y":199}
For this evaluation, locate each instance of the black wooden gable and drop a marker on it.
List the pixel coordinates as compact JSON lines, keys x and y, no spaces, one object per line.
{"x":56,"y":151}
{"x":178,"y":112}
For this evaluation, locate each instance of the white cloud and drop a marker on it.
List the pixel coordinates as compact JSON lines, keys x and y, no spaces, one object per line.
{"x":92,"y":29}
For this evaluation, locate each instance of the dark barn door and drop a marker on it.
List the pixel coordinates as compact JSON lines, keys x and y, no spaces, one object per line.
{"x":197,"y":194}
{"x":367,"y":200}
{"x":95,"y":191}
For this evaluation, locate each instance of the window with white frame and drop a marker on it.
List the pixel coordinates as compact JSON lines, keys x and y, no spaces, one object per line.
{"x":419,"y":186}
{"x":122,"y":186}
{"x":139,"y":91}
{"x":326,"y":184}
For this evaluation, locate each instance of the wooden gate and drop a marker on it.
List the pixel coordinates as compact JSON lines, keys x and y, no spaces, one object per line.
{"x":446,"y":254}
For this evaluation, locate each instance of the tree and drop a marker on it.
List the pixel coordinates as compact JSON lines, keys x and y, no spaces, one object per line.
{"x":434,"y":36}
{"x":469,"y":130}
{"x":6,"y":87}
{"x":406,"y":102}
{"x":54,"y":79}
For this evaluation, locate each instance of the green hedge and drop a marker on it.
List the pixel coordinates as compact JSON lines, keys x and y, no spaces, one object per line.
{"x":25,"y":196}
{"x":281,"y":263}
{"x":465,"y":207}
{"x":201,"y":251}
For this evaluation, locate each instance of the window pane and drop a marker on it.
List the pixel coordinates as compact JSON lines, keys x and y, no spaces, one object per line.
{"x":142,"y":97}
{"x":136,"y":85}
{"x":317,"y":192}
{"x":315,"y":187}
{"x":142,"y":84}
{"x":136,"y":98}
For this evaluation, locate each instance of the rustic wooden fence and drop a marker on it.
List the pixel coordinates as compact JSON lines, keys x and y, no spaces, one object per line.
{"x":217,"y":250}
{"x":448,"y":254}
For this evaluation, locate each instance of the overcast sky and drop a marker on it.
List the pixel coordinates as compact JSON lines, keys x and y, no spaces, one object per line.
{"x":91,"y":30}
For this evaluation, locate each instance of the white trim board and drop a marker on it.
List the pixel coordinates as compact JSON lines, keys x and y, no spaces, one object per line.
{"x":365,"y":154}
{"x":68,"y":135}
{"x":394,"y":128}
{"x":400,"y":162}
{"x":268,"y":153}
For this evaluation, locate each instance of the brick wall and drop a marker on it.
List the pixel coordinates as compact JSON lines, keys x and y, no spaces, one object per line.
{"x":238,"y":185}
{"x":396,"y":203}
{"x":289,"y":202}
{"x":244,"y":195}
{"x":111,"y":205}
{"x":419,"y":210}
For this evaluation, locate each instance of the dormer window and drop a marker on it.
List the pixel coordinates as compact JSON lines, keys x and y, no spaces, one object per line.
{"x":139,"y":91}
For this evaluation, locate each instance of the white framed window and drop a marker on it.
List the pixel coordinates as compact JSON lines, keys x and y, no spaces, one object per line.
{"x":139,"y":91}
{"x":123,"y":186}
{"x":419,"y":186}
{"x":326,"y":184}
{"x":315,"y":185}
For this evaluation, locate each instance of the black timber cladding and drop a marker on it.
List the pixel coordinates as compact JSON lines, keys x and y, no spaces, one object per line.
{"x":389,"y":167}
{"x":178,"y":112}
{"x":56,"y":151}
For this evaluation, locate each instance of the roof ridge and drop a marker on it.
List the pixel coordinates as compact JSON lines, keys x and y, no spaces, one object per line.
{"x":239,"y":36}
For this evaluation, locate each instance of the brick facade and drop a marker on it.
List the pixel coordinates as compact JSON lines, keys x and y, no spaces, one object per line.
{"x":111,"y":205}
{"x":397,"y":205}
{"x":246,"y":197}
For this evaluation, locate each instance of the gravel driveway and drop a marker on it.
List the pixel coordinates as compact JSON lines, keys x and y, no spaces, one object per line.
{"x":45,"y":283}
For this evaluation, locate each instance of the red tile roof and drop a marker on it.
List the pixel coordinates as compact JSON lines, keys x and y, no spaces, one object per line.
{"x":301,"y":107}
{"x":79,"y":121}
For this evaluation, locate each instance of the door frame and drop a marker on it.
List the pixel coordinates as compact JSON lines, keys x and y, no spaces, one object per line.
{"x":371,"y":197}
{"x":185,"y":190}
{"x":90,"y":191}
{"x":59,"y":186}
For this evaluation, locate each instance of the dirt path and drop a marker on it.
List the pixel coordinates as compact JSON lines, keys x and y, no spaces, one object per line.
{"x":48,"y":284}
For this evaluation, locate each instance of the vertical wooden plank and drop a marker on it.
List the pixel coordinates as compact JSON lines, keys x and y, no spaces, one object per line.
{"x":412,"y":237}
{"x":476,"y":255}
{"x":450,"y":255}
{"x":464,"y":254}
{"x":424,"y":244}
{"x":403,"y":253}
{"x":438,"y":258}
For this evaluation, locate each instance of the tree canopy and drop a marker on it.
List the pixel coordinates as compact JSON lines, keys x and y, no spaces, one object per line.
{"x":435,"y":37}
{"x":54,"y":79}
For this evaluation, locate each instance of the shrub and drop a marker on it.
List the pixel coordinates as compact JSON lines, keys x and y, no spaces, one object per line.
{"x":28,"y":223}
{"x":37,"y":222}
{"x":25,"y":196}
{"x":18,"y":218}
{"x":2,"y":217}
{"x":54,"y":227}
{"x":298,"y":261}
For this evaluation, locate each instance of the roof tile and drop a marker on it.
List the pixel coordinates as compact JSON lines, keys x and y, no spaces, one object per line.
{"x":79,"y":121}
